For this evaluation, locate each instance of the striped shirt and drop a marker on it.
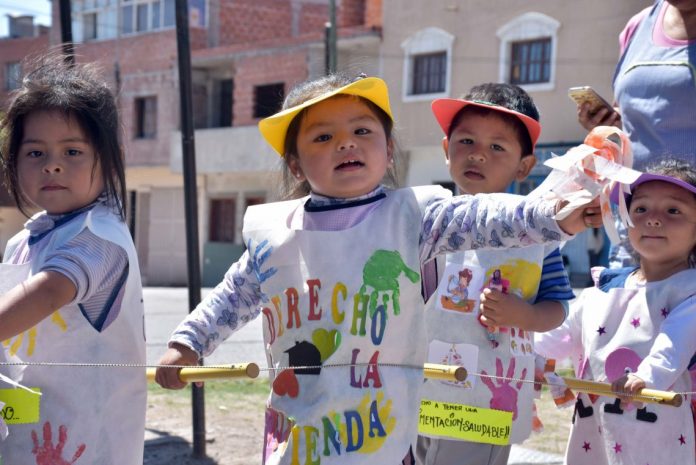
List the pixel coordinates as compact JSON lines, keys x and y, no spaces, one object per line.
{"x":96,"y":268}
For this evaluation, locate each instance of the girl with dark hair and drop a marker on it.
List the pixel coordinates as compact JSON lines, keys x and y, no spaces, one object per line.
{"x":635,"y":329}
{"x":71,"y":289}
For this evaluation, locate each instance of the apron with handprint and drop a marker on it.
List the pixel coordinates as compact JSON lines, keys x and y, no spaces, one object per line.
{"x":499,"y":361}
{"x":343,"y":328}
{"x":85,"y":415}
{"x":618,"y":331}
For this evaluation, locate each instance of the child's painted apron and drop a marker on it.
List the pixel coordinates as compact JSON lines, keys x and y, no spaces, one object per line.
{"x":342,"y":298}
{"x":456,"y":337}
{"x":90,"y":415}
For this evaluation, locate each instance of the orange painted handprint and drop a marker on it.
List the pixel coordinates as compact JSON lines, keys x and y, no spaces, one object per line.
{"x":48,"y":454}
{"x":15,"y":343}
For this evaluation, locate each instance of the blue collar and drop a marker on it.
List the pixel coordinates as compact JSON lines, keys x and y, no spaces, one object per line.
{"x":43,"y":224}
{"x":612,"y":278}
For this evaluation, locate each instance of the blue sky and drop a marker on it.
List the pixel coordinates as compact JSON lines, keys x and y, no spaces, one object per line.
{"x":40,"y":9}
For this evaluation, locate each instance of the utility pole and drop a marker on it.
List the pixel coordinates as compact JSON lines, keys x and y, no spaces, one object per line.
{"x":331,"y":40}
{"x":66,"y":30}
{"x":183,"y":47}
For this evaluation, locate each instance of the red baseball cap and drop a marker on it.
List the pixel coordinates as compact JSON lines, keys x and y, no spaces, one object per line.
{"x":445,"y":110}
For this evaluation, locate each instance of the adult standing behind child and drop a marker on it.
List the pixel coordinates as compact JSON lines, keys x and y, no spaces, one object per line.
{"x":335,"y":274}
{"x":71,"y":290}
{"x":653,"y":79}
{"x":635,"y":329}
{"x":489,"y":143}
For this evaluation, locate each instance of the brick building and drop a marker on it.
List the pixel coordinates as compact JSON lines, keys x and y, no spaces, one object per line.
{"x":24,"y":38}
{"x":245,"y":55}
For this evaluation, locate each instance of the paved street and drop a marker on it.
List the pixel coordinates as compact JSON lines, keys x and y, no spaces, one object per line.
{"x":165,"y":307}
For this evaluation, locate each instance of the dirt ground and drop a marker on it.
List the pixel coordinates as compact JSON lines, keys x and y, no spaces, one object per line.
{"x":234,"y":426}
{"x":234,"y":419}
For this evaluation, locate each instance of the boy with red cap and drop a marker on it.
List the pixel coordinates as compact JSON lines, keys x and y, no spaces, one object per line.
{"x":489,"y":143}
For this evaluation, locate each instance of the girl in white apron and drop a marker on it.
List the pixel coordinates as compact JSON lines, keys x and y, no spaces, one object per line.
{"x":335,"y":276}
{"x":636,"y":329}
{"x":70,"y":290}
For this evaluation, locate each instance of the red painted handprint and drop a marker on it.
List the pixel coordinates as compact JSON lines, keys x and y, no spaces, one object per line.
{"x":47,"y":454}
{"x":504,"y":395}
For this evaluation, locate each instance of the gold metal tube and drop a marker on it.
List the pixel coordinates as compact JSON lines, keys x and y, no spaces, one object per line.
{"x":444,"y":372}
{"x":194,"y":374}
{"x":645,"y":395}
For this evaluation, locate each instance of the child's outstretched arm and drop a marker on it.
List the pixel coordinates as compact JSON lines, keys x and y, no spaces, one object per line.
{"x":31,"y":301}
{"x":488,"y":221}
{"x":233,"y":303}
{"x":565,"y":340}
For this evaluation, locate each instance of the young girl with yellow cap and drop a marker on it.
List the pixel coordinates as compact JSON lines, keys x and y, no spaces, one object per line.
{"x":334,"y":272}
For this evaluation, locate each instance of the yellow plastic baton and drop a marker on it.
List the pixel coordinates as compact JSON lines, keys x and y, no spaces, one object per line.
{"x":444,"y":372}
{"x":652,"y":396}
{"x":195,"y":374}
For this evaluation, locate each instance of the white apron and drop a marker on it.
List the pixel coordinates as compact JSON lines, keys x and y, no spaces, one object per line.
{"x":618,"y":331}
{"x":456,"y":337}
{"x":95,"y":415}
{"x":342,"y":297}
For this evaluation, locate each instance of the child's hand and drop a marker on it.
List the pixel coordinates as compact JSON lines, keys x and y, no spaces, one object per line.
{"x":626,"y":387}
{"x":178,"y":354}
{"x":500,"y":309}
{"x":587,"y":216}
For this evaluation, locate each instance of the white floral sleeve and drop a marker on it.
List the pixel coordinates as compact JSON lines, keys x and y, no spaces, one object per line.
{"x":469,"y":222}
{"x":232,"y":304}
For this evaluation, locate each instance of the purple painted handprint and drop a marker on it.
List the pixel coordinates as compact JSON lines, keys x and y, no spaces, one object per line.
{"x":504,"y":395}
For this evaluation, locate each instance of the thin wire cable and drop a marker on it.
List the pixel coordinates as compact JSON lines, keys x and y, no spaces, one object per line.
{"x":304,"y":367}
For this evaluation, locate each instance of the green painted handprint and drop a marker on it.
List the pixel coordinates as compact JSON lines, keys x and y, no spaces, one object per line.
{"x":381,"y":274}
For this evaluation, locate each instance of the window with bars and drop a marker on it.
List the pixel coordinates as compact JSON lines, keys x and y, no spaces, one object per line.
{"x":530,"y":61}
{"x":429,"y":73}
{"x":146,"y":117}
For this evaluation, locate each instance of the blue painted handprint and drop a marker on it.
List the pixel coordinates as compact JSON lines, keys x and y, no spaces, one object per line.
{"x":257,"y":259}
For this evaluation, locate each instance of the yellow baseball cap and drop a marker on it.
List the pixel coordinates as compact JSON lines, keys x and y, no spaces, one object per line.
{"x":275,"y":128}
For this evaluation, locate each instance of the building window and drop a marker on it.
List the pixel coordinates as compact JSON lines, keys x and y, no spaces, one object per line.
{"x":268,"y":99}
{"x":138,"y":16}
{"x":222,"y":220}
{"x":530,"y":62}
{"x":429,"y":73}
{"x":253,"y":200}
{"x":222,"y":116}
{"x":427,"y":64}
{"x":13,"y":74}
{"x":89,"y":21}
{"x":528,"y":51}
{"x":146,"y":117}
{"x":95,"y":19}
{"x":127,"y":19}
{"x":141,"y":18}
